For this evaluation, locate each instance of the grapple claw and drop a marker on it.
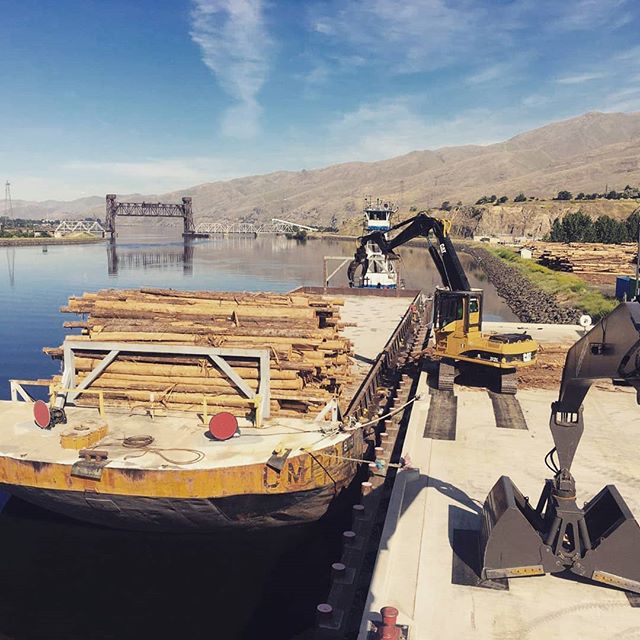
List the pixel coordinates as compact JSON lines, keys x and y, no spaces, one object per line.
{"x":615,"y":535}
{"x":517,"y":540}
{"x":510,"y":540}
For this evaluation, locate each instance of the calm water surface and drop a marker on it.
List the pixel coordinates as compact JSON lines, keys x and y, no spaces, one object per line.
{"x":61,"y":579}
{"x":36,"y":284}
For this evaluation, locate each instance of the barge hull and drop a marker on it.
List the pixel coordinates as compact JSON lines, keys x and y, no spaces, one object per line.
{"x":141,"y":513}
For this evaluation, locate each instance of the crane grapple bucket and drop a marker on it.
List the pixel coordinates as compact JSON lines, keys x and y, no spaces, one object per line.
{"x":614,"y":558}
{"x":511,"y":539}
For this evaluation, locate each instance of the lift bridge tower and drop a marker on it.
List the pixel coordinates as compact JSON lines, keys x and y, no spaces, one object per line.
{"x":148,"y":210}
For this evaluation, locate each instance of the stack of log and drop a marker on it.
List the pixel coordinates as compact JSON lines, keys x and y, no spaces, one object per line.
{"x":587,"y":257}
{"x":309,"y":361}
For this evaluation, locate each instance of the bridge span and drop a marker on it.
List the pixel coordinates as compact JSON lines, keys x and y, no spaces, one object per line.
{"x":68,"y":227}
{"x":224,"y":227}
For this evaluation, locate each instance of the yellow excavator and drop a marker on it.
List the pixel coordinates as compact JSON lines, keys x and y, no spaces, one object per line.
{"x":457,"y":309}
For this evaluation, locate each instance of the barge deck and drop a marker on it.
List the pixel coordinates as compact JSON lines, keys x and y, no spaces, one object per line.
{"x":183,"y":480}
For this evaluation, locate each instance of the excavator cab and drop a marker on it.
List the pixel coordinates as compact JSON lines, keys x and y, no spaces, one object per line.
{"x":457,"y":329}
{"x":457,"y":311}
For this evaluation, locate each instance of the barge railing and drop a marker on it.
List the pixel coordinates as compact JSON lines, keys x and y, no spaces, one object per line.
{"x":366,"y":400}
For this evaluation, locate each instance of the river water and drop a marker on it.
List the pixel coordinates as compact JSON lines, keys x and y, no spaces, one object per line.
{"x":61,"y":579}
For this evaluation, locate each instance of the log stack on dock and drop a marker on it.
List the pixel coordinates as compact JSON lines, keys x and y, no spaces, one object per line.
{"x":587,"y":257}
{"x":309,"y":361}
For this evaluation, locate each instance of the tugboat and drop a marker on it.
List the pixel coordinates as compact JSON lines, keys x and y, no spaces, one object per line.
{"x":381,"y":272}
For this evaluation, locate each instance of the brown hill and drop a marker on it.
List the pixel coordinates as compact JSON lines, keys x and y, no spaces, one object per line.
{"x":586,"y":153}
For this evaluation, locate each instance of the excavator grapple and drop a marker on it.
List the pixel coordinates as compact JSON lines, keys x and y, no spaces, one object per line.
{"x":601,"y":540}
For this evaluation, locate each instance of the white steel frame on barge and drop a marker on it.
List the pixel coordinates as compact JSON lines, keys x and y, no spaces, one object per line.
{"x":70,"y":390}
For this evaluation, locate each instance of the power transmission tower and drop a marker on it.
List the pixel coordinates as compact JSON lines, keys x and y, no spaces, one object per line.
{"x":8,"y":206}
{"x":8,"y":215}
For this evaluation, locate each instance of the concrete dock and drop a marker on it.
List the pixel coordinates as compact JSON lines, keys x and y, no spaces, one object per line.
{"x":415,"y":567}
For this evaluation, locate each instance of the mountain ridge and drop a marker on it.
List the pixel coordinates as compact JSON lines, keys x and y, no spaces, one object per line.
{"x":584,"y":153}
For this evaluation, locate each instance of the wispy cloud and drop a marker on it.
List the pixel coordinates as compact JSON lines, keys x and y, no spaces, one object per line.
{"x":413,"y":35}
{"x":535,"y":101}
{"x":578,"y":15}
{"x":502,"y":72}
{"x":426,"y":35}
{"x":235,"y":46}
{"x":394,"y":127}
{"x":580,"y":78}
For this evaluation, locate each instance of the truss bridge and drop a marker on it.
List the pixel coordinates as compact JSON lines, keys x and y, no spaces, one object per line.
{"x":276,"y":226}
{"x":149,"y":210}
{"x":68,"y":227}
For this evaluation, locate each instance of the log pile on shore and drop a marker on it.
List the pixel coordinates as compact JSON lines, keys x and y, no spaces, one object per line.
{"x":528,"y":302}
{"x":309,"y":357}
{"x":586,"y":257}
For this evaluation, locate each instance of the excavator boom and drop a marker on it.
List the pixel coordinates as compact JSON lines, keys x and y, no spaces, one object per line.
{"x":443,"y":253}
{"x":457,"y":309}
{"x":610,"y":350}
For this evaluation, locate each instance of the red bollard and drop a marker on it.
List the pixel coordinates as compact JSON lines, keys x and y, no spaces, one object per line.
{"x":389,"y":630}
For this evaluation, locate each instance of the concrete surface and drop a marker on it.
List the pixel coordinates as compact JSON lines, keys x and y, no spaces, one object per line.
{"x":414,"y":564}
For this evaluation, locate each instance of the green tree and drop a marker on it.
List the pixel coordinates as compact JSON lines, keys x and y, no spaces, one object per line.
{"x":445,"y":206}
{"x":632,"y":223}
{"x":580,"y":196}
{"x":609,"y":231}
{"x":520,"y":198}
{"x":564,"y":195}
{"x":557,"y":231}
{"x":502,"y":199}
{"x":577,"y":227}
{"x":493,"y":198}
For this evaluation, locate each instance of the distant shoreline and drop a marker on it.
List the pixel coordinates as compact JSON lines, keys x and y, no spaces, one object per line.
{"x":27,"y":242}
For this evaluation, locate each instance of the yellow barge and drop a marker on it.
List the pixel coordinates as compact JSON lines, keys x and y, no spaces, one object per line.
{"x":159,"y":470}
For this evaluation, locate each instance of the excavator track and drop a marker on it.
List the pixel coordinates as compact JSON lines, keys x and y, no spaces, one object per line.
{"x":508,"y":383}
{"x":446,"y":376}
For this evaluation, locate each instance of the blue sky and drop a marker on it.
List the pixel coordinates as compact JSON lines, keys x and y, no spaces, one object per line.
{"x":148,"y":96}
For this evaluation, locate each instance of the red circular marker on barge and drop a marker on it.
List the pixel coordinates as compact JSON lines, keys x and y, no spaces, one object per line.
{"x":41,"y":414}
{"x":223,"y":426}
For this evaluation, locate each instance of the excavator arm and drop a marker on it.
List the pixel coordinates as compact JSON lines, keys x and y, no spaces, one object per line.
{"x":600,"y":540}
{"x":610,"y":350}
{"x":442,"y":253}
